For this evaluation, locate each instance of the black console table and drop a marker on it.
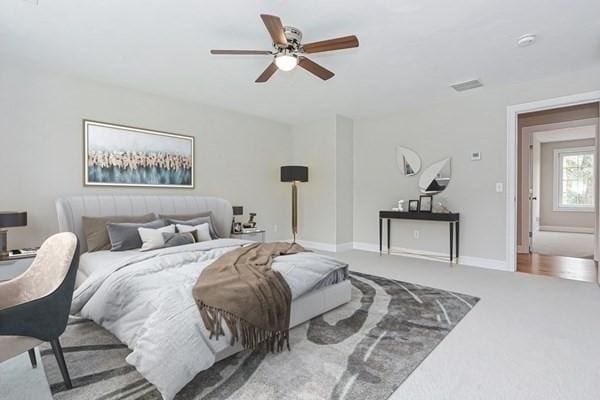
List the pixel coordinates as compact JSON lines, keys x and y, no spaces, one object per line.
{"x":451,"y":218}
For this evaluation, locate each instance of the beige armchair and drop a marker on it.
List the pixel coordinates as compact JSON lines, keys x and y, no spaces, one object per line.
{"x":34,"y":307}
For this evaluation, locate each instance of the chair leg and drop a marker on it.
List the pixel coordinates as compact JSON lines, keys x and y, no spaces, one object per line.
{"x":60,"y":359}
{"x":32,"y":358}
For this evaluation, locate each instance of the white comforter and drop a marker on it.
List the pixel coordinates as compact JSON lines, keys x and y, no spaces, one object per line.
{"x":145,"y":299}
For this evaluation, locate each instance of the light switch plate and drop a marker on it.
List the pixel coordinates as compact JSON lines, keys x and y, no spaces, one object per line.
{"x":499,"y":187}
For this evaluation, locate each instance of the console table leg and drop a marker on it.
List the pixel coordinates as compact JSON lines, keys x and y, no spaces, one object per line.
{"x":388,"y":235}
{"x":380,"y":236}
{"x":457,"y":227}
{"x":451,"y":240}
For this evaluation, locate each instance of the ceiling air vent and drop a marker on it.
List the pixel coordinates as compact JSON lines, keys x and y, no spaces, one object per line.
{"x":461,"y":87}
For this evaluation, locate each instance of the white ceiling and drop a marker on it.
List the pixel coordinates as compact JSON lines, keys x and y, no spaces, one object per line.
{"x":410,"y":50}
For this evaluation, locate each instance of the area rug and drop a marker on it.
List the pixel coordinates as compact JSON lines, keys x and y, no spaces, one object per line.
{"x":362,"y":350}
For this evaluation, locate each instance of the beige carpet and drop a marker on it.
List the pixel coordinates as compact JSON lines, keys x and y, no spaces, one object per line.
{"x":530,"y":337}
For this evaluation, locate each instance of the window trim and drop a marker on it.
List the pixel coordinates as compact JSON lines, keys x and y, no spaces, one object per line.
{"x":557,"y":186}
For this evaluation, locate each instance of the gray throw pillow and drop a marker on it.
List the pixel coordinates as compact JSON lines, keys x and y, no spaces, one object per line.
{"x":177,"y":239}
{"x":197,"y":221}
{"x":96,"y":234}
{"x":125,"y":236}
{"x":187,"y":219}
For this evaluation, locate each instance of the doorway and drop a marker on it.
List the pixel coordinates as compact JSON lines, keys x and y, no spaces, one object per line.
{"x":556,"y":192}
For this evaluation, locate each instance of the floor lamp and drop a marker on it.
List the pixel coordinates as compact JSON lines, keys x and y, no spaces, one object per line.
{"x":294,"y":174}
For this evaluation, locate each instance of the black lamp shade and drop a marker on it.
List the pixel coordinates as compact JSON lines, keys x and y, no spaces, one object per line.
{"x":12,"y":218}
{"x":238,"y":210}
{"x":291,"y":173}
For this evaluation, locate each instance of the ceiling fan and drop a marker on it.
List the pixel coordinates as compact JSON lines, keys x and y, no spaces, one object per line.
{"x":289,"y":51}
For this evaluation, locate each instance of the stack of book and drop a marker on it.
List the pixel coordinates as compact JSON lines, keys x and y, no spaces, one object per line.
{"x":22,"y":253}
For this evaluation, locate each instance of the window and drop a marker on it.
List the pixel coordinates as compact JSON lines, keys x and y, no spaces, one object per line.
{"x":574,"y":179}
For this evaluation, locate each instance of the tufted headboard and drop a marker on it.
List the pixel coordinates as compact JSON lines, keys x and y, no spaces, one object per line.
{"x":70,"y":210}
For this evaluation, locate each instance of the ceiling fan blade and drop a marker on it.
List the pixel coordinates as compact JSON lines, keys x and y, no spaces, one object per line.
{"x":241,"y":52}
{"x":345,"y":42}
{"x":267,"y":73}
{"x":315,"y":68}
{"x":275,"y":28}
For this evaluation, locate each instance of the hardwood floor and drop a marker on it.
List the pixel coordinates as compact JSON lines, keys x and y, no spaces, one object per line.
{"x":579,"y":269}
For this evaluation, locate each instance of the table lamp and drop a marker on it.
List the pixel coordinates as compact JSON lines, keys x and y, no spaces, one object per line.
{"x":235,"y":226}
{"x":9,"y":219}
{"x":237,"y":210}
{"x":294,"y":174}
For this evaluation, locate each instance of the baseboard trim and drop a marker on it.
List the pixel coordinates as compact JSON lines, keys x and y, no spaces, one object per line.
{"x":569,"y":229}
{"x":488,"y":263}
{"x":522,"y":249}
{"x":401,"y":251}
{"x":344,"y":247}
{"x":317,"y":245}
{"x":435,"y":256}
{"x":332,"y":248}
{"x":480,"y":262}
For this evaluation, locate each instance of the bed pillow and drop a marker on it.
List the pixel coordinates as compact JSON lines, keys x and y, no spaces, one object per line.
{"x":125,"y":236}
{"x":96,"y":234}
{"x":177,"y":239}
{"x":194,"y":219}
{"x":196,"y":222}
{"x":200,"y":232}
{"x":153,"y":238}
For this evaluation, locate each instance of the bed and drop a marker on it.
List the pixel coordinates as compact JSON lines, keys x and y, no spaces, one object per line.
{"x":144,"y":298}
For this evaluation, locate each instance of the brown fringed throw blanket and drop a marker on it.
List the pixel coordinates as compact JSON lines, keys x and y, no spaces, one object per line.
{"x":241,"y":289}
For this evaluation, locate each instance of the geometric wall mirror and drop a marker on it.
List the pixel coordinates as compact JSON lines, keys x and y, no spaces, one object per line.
{"x":408,"y":161}
{"x":436,"y":177}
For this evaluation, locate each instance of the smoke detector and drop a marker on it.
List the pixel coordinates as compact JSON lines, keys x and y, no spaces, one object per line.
{"x":526,"y":40}
{"x":462,"y":86}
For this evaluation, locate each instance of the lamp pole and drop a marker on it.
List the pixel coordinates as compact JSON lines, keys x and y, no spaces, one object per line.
{"x":294,"y":209}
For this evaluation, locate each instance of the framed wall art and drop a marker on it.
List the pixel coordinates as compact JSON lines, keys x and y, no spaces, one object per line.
{"x":117,"y":155}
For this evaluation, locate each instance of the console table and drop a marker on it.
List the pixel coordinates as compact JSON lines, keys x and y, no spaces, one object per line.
{"x":451,"y":218}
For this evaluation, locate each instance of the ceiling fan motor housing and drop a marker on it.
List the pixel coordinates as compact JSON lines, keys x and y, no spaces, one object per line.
{"x":293,"y":36}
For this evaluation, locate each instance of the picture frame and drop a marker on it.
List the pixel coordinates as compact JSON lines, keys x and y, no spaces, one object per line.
{"x":237,"y":227}
{"x":425,"y":203}
{"x":120,"y":155}
{"x":413,"y":205}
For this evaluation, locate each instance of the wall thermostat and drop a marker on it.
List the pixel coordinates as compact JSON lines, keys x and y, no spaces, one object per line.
{"x":475,"y":156}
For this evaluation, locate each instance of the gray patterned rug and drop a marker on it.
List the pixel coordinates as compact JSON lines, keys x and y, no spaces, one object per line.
{"x":362,"y":350}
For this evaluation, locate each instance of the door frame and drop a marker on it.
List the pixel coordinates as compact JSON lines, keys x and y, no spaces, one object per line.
{"x":538,"y":134}
{"x":512,"y":114}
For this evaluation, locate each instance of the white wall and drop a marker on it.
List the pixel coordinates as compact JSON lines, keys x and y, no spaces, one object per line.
{"x":326,"y":202}
{"x":41,"y":145}
{"x":314,"y":146}
{"x":238,"y":157}
{"x":344,"y":179}
{"x":475,"y":121}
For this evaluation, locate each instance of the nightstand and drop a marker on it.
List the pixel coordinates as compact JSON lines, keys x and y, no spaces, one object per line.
{"x":12,"y":268}
{"x":254,"y":236}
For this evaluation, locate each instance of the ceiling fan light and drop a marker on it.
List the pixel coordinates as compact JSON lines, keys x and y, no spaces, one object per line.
{"x":286,"y":62}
